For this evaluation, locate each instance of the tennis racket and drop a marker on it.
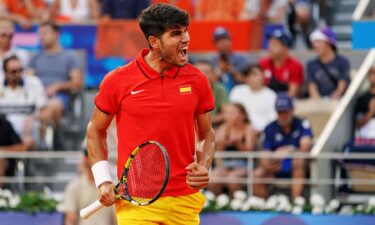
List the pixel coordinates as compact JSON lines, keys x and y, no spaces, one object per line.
{"x":143,"y":180}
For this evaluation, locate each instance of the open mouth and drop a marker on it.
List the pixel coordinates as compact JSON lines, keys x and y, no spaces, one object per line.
{"x":182,"y":52}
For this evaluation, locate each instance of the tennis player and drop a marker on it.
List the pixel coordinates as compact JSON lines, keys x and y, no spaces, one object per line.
{"x":158,"y":96}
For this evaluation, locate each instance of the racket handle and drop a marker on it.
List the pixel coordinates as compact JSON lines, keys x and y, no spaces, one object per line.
{"x":91,"y":209}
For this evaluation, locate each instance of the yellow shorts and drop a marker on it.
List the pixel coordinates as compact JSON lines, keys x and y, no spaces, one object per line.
{"x":181,"y":210}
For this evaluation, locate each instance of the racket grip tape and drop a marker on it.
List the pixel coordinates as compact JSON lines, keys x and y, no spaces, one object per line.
{"x":85,"y":213}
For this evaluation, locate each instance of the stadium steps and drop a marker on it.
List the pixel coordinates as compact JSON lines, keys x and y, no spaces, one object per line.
{"x":342,"y":22}
{"x":343,"y":18}
{"x":57,"y":168}
{"x":73,"y":141}
{"x":344,"y":45}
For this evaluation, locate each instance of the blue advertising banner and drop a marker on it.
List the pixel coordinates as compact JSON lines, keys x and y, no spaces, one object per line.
{"x":81,"y":38}
{"x":220,"y":218}
{"x":261,"y":218}
{"x":18,"y":218}
{"x":363,"y":34}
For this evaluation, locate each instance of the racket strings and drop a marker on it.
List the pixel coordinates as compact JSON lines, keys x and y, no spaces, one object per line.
{"x":146,"y":173}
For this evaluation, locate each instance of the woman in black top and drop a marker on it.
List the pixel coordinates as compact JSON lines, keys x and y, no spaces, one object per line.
{"x":234,"y":134}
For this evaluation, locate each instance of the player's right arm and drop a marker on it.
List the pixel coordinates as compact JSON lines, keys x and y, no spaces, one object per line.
{"x":98,"y":154}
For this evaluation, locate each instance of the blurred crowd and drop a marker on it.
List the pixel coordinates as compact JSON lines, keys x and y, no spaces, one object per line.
{"x":298,"y":15}
{"x":255,"y":99}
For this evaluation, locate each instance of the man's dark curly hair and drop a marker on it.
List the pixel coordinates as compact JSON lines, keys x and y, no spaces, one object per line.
{"x":156,"y":19}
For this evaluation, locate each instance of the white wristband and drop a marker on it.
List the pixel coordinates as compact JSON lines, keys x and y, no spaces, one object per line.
{"x":101,"y":172}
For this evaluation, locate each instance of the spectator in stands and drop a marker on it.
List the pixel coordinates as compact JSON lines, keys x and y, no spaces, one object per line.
{"x":23,"y":12}
{"x":283,"y":73}
{"x":80,"y":193}
{"x":235,"y":134}
{"x":364,"y":133}
{"x":220,"y":94}
{"x":300,"y":20}
{"x":125,"y":9}
{"x":187,"y":5}
{"x":9,"y":141}
{"x":270,"y":11}
{"x":327,"y":12}
{"x":21,"y":99}
{"x":328,"y":74}
{"x":59,"y":71}
{"x":75,"y":10}
{"x":229,"y":63}
{"x":285,"y":135}
{"x":219,"y":10}
{"x":258,"y":100}
{"x":6,"y":47}
{"x":365,"y":113}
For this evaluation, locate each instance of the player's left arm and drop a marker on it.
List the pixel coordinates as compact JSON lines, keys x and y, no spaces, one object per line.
{"x":197,"y":172}
{"x":206,"y":137}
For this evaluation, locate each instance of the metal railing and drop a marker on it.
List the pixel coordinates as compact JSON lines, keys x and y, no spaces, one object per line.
{"x":249,"y":180}
{"x":360,"y":9}
{"x":313,"y":180}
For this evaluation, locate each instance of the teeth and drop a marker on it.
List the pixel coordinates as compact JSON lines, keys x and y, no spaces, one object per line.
{"x":183,"y":51}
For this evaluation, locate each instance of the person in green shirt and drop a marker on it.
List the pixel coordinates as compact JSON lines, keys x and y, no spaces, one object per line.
{"x":220,"y":93}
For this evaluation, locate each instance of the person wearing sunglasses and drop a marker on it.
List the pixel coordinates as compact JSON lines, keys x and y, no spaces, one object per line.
{"x":21,"y":98}
{"x":6,"y":47}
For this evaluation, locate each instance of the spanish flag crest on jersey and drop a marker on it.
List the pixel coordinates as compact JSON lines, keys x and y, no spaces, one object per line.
{"x":185,"y":89}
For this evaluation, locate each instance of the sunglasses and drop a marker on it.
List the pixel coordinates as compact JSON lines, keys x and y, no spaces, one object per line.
{"x":6,"y":35}
{"x":15,"y":71}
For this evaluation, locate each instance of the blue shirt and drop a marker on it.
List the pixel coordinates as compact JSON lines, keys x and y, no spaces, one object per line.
{"x":239,"y":62}
{"x":339,"y":69}
{"x":63,"y":63}
{"x":123,"y":9}
{"x":275,"y":137}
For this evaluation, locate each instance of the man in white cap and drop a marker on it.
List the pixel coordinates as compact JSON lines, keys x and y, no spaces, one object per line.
{"x":328,"y":74}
